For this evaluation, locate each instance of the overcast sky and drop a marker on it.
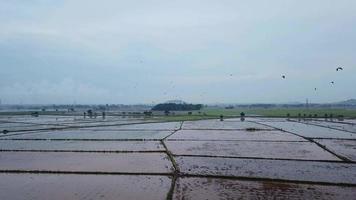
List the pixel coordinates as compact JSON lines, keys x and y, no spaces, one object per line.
{"x":208,"y":51}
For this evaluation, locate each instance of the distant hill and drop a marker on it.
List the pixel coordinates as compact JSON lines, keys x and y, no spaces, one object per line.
{"x":176,"y":101}
{"x":348,"y":102}
{"x":176,"y":107}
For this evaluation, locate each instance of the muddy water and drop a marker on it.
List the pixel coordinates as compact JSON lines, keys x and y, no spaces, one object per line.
{"x":153,"y":126}
{"x":263,"y":119}
{"x":353,"y":121}
{"x":92,"y":134}
{"x":42,"y":119}
{"x":73,"y":121}
{"x":23,"y":127}
{"x":211,"y":188}
{"x":286,"y":150}
{"x":216,"y":124}
{"x":49,"y":119}
{"x":81,"y":145}
{"x":339,"y":126}
{"x":273,"y":169}
{"x":311,"y":130}
{"x":15,"y":125}
{"x":82,"y":187}
{"x":279,"y":145}
{"x":86,"y":162}
{"x":234,"y":135}
{"x":346,"y":148}
{"x":101,"y":123}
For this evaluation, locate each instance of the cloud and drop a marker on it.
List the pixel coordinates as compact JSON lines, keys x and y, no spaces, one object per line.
{"x":130,"y":51}
{"x":65,"y":91}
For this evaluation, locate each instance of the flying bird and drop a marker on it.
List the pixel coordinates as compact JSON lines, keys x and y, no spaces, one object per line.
{"x":283,"y":76}
{"x":339,"y":68}
{"x":315,"y":89}
{"x":332,"y":82}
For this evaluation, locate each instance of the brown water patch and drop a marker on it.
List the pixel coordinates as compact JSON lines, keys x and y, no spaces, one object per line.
{"x":86,"y":162}
{"x":284,"y":150}
{"x":346,"y":148}
{"x":271,"y":169}
{"x":68,"y":187}
{"x":45,"y":145}
{"x":212,"y":188}
{"x":234,"y":135}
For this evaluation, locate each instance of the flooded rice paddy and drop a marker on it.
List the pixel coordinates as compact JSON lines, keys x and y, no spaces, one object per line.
{"x":63,"y":157}
{"x":214,"y":188}
{"x":256,"y":149}
{"x":310,"y":130}
{"x":88,"y":134}
{"x":82,"y":186}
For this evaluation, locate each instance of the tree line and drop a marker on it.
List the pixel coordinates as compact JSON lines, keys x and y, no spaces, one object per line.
{"x":176,"y":107}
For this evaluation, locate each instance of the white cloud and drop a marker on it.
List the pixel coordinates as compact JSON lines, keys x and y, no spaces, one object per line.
{"x":104,"y":48}
{"x":65,"y":91}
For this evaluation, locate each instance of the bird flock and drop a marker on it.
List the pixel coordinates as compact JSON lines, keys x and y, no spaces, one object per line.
{"x":283,"y":77}
{"x":332,"y":82}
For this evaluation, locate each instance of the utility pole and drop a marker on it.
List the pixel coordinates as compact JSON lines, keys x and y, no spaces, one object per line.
{"x":307,"y":103}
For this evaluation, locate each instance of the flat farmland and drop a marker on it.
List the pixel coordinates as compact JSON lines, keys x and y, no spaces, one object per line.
{"x":262,"y":158}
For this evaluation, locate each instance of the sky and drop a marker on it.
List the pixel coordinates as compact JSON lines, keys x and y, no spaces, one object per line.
{"x":206,"y":51}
